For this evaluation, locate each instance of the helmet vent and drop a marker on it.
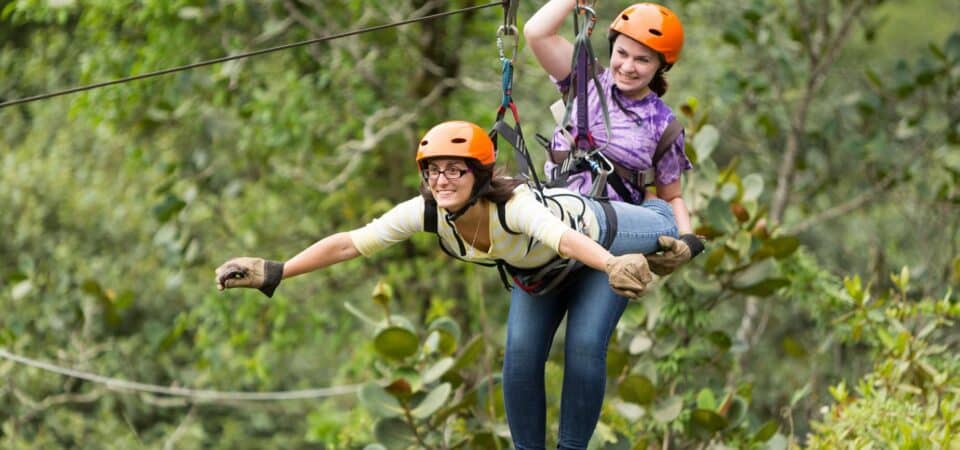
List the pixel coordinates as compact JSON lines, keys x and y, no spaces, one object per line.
{"x":655,"y":32}
{"x":458,"y":140}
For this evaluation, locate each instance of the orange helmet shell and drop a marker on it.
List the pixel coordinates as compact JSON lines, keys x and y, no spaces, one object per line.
{"x":654,"y":26}
{"x":457,"y":139}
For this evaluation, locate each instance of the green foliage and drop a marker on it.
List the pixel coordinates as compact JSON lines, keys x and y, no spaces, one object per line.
{"x":910,"y":399}
{"x":119,"y":202}
{"x":432,"y":395}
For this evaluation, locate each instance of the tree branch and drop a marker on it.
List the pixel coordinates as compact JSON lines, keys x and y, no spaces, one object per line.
{"x":842,"y":208}
{"x":178,"y":433}
{"x":377,"y":127}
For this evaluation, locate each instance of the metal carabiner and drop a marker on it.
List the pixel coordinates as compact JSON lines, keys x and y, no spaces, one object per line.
{"x":602,"y":168}
{"x":508,"y":30}
{"x":591,"y":18}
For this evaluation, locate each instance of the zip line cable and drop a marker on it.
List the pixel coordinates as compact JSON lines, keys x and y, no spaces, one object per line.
{"x":195,"y":394}
{"x":241,"y":55}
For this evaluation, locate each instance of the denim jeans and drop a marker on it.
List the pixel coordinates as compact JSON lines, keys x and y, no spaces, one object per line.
{"x":592,"y":310}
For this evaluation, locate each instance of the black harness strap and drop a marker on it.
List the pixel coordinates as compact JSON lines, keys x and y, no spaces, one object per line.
{"x":431,"y":225}
{"x":645,"y":178}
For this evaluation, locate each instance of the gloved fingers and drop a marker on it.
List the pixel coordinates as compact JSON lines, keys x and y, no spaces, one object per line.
{"x":627,"y":293}
{"x":231,"y":276}
{"x":660,"y":265}
{"x":666,"y":242}
{"x":628,"y":274}
{"x":240,"y":272}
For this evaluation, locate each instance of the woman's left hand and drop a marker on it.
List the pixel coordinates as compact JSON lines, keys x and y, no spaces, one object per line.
{"x":676,"y":252}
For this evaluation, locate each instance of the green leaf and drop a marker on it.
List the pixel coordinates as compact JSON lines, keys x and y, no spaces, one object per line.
{"x":637,"y":389}
{"x":764,"y":288}
{"x":471,"y":351}
{"x":799,"y":395}
{"x":706,"y":399}
{"x":760,"y":279}
{"x":707,"y":421}
{"x":779,"y":248}
{"x":714,"y":259}
{"x":668,"y":410}
{"x":21,"y":289}
{"x":394,"y":433}
{"x":854,"y":288}
{"x":437,"y":370}
{"x":616,"y":360}
{"x":720,"y":339}
{"x":447,"y":325}
{"x":396,"y":342}
{"x":378,"y":401}
{"x":432,"y":402}
{"x":737,"y":411}
{"x":752,"y":187}
{"x":705,"y":141}
{"x":766,"y":431}
{"x":792,"y":347}
{"x":640,"y":343}
{"x":446,"y":332}
{"x":382,"y":293}
{"x":168,"y":207}
{"x":719,"y":217}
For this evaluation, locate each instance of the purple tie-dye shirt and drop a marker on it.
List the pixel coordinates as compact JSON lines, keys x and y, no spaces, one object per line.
{"x":632,"y":146}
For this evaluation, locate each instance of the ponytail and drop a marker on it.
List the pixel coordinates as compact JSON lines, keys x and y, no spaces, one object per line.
{"x":659,"y":83}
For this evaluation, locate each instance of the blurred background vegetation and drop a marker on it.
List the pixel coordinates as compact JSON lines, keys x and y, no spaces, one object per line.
{"x":825,"y":135}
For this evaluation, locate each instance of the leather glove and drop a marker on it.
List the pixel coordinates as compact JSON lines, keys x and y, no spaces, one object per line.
{"x":676,"y":252}
{"x":629,"y":274}
{"x":250,"y":272}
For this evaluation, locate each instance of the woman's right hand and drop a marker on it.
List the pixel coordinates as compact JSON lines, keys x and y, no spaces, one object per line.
{"x":249,"y":272}
{"x":629,"y":275}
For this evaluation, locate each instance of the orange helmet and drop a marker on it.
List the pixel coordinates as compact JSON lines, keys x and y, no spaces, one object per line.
{"x":457,"y":139}
{"x":652,"y":25}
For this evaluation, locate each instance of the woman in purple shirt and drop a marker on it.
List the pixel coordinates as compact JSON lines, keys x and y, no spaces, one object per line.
{"x":645,"y":40}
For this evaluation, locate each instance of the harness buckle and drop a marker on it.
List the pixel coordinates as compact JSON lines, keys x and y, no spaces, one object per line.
{"x":601,"y":168}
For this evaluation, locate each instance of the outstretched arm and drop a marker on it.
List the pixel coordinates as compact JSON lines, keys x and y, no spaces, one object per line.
{"x":265,"y":275}
{"x":552,"y":51}
{"x":326,"y":252}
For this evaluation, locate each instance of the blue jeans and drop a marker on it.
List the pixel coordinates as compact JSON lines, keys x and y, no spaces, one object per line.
{"x":592,"y":311}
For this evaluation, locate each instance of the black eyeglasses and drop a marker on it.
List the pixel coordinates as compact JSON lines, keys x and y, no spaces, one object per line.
{"x":450,"y":173}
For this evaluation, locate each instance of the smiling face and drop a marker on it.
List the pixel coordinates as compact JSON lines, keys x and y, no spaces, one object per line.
{"x":450,"y":194}
{"x":633,"y":65}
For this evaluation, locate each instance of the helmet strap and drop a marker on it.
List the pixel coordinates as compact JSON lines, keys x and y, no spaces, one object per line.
{"x":477,"y":193}
{"x":452,"y":216}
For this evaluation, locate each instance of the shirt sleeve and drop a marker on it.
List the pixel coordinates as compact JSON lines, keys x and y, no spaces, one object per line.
{"x":527,"y":215}
{"x":673,"y":163}
{"x":394,"y":226}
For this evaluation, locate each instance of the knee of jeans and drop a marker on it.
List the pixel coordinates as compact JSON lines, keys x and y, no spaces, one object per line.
{"x":520,"y":349}
{"x":586,"y":350}
{"x":659,"y":205}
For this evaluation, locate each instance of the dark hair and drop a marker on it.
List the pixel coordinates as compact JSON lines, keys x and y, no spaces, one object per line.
{"x":490,"y":183}
{"x":659,"y":82}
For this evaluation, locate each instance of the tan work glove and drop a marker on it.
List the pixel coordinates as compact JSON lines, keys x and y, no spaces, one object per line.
{"x":250,"y":272}
{"x":629,"y":274}
{"x":676,"y":252}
